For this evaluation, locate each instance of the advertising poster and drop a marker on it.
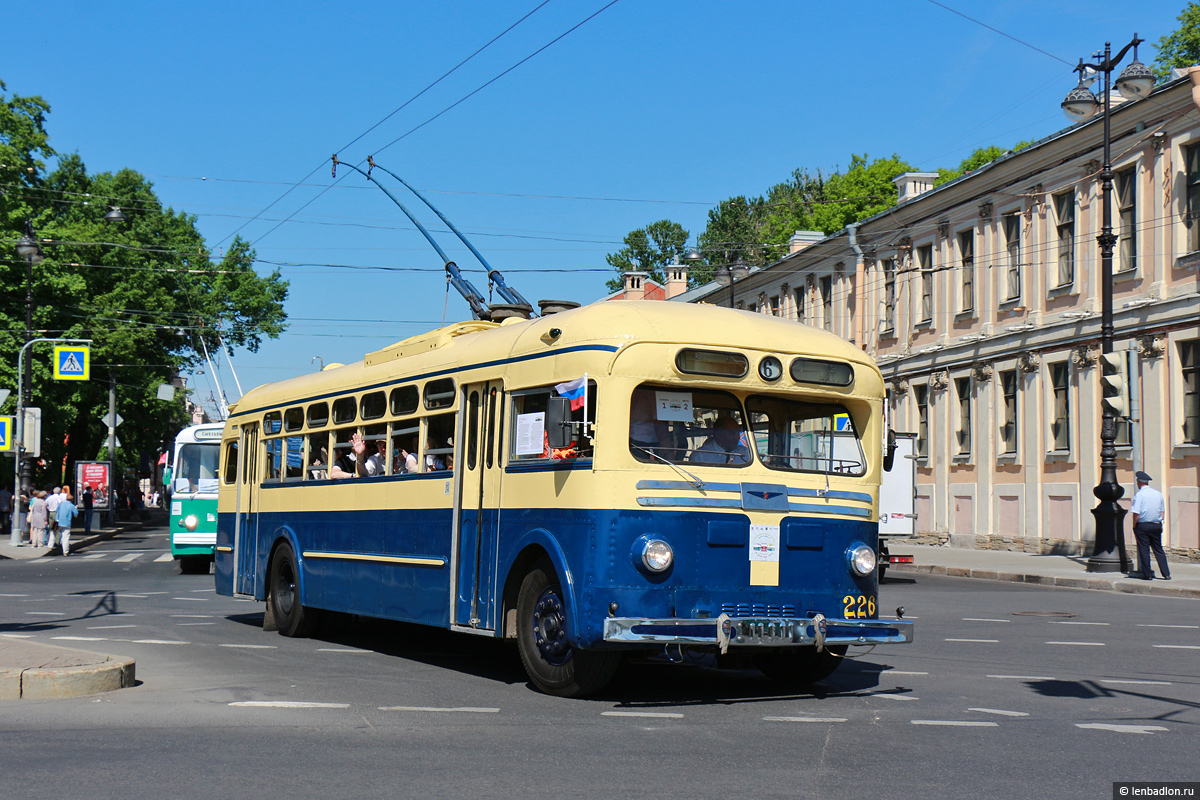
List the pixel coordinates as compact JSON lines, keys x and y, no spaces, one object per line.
{"x":96,"y":475}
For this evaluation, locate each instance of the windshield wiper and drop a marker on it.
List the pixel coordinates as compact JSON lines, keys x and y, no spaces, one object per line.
{"x":692,"y":479}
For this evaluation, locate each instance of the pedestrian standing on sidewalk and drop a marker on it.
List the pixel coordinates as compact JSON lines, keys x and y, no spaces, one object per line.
{"x":38,"y":519}
{"x":6,"y":507}
{"x":1148,"y":511}
{"x":52,"y":511}
{"x":66,"y":512}
{"x":88,"y":503}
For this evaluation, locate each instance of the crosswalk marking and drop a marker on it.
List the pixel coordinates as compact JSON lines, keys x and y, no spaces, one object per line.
{"x":164,"y":557}
{"x":127,"y":557}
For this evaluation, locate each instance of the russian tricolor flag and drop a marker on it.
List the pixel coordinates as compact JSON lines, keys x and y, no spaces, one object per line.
{"x":575,"y":390}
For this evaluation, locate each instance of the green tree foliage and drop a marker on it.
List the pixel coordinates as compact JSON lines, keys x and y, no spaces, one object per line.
{"x":1181,"y":47}
{"x":863,"y":190}
{"x":146,"y":291}
{"x":648,"y":249}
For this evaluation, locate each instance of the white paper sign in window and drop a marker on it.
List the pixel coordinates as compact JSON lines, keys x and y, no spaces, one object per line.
{"x":531,"y":434}
{"x":674,"y":406}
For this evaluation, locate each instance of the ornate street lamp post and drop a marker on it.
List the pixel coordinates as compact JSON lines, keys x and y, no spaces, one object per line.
{"x":1135,"y":82}
{"x":29,"y":249}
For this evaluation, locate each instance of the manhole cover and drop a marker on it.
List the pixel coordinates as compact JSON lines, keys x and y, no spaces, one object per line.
{"x":1043,"y":614}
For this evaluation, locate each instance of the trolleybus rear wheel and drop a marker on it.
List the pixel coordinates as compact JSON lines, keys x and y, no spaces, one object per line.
{"x":553,"y":664}
{"x":800,"y":666}
{"x":292,"y":618}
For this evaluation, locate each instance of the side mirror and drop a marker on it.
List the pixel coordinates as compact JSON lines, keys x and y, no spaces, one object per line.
{"x":558,"y":422}
{"x":890,"y":457}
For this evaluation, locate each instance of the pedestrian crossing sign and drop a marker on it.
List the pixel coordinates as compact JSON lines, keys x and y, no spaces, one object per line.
{"x":6,"y":434}
{"x":71,"y":363}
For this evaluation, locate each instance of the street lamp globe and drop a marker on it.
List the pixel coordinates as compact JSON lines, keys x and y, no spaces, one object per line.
{"x":115,"y":215}
{"x":723,"y":275}
{"x":1135,"y":81}
{"x":1080,"y":104}
{"x":29,"y":249}
{"x":740,"y":269}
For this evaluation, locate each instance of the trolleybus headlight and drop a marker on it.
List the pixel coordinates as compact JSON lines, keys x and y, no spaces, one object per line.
{"x":657,"y":555}
{"x":191,"y":522}
{"x":862,"y":559}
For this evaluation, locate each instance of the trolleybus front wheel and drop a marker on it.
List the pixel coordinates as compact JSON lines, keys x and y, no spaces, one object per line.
{"x":292,"y":618}
{"x":553,"y":664}
{"x":194,"y":565}
{"x":801,"y":666}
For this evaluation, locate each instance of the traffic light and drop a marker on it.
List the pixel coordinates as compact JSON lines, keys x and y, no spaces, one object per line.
{"x":1116,"y":389}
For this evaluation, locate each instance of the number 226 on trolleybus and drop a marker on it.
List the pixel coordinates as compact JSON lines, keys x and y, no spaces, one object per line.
{"x":626,"y":477}
{"x":192,"y":493}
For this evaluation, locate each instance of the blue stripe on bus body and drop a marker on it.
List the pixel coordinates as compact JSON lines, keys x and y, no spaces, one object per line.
{"x":591,"y":550}
{"x":736,"y":502}
{"x":604,"y":348}
{"x":555,"y":465}
{"x":835,"y":494}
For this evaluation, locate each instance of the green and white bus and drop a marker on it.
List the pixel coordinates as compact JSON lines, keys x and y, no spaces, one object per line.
{"x":192,"y":493}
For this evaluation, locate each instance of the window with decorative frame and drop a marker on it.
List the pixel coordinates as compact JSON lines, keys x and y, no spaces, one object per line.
{"x":1125,"y":194}
{"x":1012,"y":267}
{"x":889,"y":295}
{"x":1060,"y":406}
{"x":1008,"y":399}
{"x":826,"y":284}
{"x":1189,"y":361}
{"x":925,"y":266}
{"x":801,"y":294}
{"x":962,"y":388}
{"x":1064,"y":224}
{"x":1191,"y":217}
{"x":921,"y":396}
{"x":966,"y":254}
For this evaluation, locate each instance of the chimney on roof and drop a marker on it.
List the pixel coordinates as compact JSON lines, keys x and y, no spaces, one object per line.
{"x":803,"y":239}
{"x":635,"y":285}
{"x":676,"y":279}
{"x":914,"y":184}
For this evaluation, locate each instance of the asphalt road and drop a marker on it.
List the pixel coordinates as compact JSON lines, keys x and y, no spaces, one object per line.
{"x":1009,"y":691}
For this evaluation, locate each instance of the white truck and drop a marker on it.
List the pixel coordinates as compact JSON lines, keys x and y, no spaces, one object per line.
{"x":897,"y":498}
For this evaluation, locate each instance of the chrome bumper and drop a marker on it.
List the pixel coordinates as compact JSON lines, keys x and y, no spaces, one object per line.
{"x":725,"y":631}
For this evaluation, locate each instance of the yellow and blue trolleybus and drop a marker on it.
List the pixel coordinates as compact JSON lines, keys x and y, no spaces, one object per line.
{"x":619,"y":478}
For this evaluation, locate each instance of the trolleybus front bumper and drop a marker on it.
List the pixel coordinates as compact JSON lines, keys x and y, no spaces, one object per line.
{"x":725,"y":631}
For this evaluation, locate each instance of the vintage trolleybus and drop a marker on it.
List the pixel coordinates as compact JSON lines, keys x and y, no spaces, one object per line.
{"x":192,"y":494}
{"x":622,"y":477}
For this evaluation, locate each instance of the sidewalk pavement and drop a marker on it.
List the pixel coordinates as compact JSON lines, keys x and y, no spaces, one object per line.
{"x":1045,"y":570}
{"x":35,"y":671}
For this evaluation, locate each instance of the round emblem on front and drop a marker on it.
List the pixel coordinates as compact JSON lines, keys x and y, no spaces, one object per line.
{"x":769,"y":369}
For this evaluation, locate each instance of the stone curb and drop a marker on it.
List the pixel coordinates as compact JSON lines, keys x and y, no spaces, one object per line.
{"x":51,"y":681}
{"x":1127,"y":585}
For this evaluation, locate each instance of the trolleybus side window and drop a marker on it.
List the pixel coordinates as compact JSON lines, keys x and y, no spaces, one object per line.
{"x":318,"y":456}
{"x":405,"y":400}
{"x":293,"y":419}
{"x":528,"y":421}
{"x":318,"y":415}
{"x":439,"y":393}
{"x":439,"y":443}
{"x":805,"y":437}
{"x":231,"y":460}
{"x":687,"y":426}
{"x":373,"y":405}
{"x":293,"y":461}
{"x":344,"y":410}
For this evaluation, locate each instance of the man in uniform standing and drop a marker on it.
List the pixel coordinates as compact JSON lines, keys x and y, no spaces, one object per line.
{"x":1148,"y":511}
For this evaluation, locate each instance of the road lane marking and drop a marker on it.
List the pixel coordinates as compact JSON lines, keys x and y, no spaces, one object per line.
{"x":158,"y":641}
{"x":93,"y":556}
{"x":14,"y":595}
{"x":1072,"y":622}
{"x":81,"y":638}
{"x":1136,"y":683}
{"x":1080,"y":644}
{"x":652,"y":714}
{"x":958,"y":723}
{"x":1101,"y":726}
{"x":890,"y":695}
{"x":246,"y":646}
{"x":448,"y":710}
{"x":108,"y":627}
{"x":128,"y":557}
{"x":892,"y":672}
{"x":1023,"y":677}
{"x":205,"y":590}
{"x":181,"y":624}
{"x":164,"y":558}
{"x":982,"y":641}
{"x":17,"y":635}
{"x":804,"y":719}
{"x":285,"y":704}
{"x":342,"y":650}
{"x":1179,"y":646}
{"x":191,"y":616}
{"x":984,"y":619}
{"x":46,"y":613}
{"x":999,"y":711}
{"x":1159,"y":625}
{"x":192,"y":599}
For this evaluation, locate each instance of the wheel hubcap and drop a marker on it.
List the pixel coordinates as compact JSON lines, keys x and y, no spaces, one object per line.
{"x":285,"y":590}
{"x":549,"y":628}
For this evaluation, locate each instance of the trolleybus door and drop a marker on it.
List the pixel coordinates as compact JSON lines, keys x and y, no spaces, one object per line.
{"x":245,"y":538}
{"x":477,"y":517}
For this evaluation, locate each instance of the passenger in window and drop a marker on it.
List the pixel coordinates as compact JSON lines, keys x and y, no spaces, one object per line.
{"x":436,"y":461}
{"x":353,"y":463}
{"x":405,"y":460}
{"x":724,"y":446}
{"x":645,"y":430}
{"x":376,"y":463}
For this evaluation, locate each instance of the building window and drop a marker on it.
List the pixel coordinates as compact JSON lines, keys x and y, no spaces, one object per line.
{"x":922,"y":396}
{"x":1189,"y":359}
{"x":1125,"y":184}
{"x":1191,"y":168}
{"x":1008,"y":431}
{"x":1064,"y":212}
{"x":889,"y":295}
{"x":827,"y":301}
{"x":774,"y":305}
{"x":966,"y":251}
{"x":925,"y":265}
{"x":1012,"y":242}
{"x":1060,"y":427}
{"x":962,"y":387}
{"x":801,"y":294}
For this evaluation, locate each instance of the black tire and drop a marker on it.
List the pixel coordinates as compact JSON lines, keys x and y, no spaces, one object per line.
{"x":553,"y":664}
{"x":194,"y":565}
{"x":291,"y":618}
{"x":801,"y":666}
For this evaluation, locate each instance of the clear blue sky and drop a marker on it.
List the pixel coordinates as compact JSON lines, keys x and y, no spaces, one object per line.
{"x":652,"y":109}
